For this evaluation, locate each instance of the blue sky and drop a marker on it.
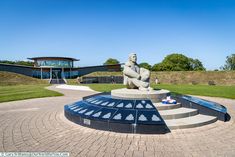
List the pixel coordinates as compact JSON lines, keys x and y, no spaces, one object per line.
{"x":96,"y":30}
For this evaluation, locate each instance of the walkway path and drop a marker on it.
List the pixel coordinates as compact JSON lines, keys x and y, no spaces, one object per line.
{"x":39,"y":125}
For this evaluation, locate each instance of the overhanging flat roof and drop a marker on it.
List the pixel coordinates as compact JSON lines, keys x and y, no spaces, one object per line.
{"x":67,"y":58}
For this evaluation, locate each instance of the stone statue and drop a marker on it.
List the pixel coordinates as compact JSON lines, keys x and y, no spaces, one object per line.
{"x":134,"y":76}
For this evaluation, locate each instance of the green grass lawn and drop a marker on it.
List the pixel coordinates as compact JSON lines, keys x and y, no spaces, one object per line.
{"x":104,"y":87}
{"x":20,"y":92}
{"x":202,"y":90}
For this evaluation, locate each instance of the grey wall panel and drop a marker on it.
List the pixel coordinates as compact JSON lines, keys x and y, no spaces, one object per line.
{"x":88,"y":70}
{"x":75,"y":72}
{"x":24,"y":70}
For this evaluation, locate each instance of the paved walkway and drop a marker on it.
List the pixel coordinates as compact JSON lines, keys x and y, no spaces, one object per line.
{"x":74,"y":87}
{"x":39,"y":125}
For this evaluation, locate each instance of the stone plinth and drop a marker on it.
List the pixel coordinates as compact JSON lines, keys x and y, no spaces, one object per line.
{"x":154,"y":95}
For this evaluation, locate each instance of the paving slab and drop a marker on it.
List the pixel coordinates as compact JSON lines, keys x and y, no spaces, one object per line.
{"x":39,"y":125}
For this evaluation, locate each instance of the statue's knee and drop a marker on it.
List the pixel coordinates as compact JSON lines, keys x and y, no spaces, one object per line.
{"x":145,"y":76}
{"x":144,"y":72}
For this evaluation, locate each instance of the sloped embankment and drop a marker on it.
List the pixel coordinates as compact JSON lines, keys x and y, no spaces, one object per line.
{"x":9,"y":78}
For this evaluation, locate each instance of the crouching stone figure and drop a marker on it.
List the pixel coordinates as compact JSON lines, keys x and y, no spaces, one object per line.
{"x":134,"y":76}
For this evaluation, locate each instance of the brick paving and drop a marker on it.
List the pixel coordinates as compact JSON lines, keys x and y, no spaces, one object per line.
{"x":39,"y":125}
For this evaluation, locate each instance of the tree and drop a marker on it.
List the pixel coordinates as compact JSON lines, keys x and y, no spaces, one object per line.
{"x":162,"y":67}
{"x":178,"y":62}
{"x":26,"y":63}
{"x":145,"y":65}
{"x":196,"y":65}
{"x":111,"y":61}
{"x":229,"y":63}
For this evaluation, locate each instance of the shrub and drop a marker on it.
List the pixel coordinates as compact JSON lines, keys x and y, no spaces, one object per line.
{"x":211,"y":83}
{"x":195,"y":82}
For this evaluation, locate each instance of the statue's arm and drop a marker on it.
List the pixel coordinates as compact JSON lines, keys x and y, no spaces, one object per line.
{"x":130,"y":73}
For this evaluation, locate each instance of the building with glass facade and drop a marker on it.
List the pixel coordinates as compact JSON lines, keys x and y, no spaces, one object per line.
{"x":56,"y":68}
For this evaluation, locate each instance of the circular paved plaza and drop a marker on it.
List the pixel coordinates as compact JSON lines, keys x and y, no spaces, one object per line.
{"x":39,"y":125}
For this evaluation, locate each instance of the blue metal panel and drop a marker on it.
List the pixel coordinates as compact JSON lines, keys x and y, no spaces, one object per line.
{"x":103,"y":107}
{"x":148,"y":117}
{"x":103,"y":114}
{"x":125,"y":104}
{"x":144,"y":104}
{"x":124,"y":116}
{"x":205,"y":103}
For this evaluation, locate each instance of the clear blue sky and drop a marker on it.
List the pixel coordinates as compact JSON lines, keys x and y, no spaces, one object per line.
{"x":96,"y":30}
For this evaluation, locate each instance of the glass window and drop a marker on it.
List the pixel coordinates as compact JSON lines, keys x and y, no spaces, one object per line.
{"x":55,"y":63}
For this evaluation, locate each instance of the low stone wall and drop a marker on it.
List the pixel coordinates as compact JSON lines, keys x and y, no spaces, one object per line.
{"x":195,"y":77}
{"x":102,"y":79}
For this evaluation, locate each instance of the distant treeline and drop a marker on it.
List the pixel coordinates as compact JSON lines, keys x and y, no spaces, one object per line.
{"x":172,"y":62}
{"x":179,"y":62}
{"x":26,"y":63}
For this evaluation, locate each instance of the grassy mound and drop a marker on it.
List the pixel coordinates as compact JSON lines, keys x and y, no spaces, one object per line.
{"x":8,"y":78}
{"x":19,"y":87}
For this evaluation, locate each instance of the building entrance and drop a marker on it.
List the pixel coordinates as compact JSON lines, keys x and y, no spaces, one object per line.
{"x":56,"y":73}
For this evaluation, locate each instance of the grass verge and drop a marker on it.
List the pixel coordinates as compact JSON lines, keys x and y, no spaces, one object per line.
{"x":104,"y":87}
{"x":202,"y":90}
{"x":20,"y":92}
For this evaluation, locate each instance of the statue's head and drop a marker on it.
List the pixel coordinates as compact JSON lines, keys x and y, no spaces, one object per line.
{"x":133,"y":57}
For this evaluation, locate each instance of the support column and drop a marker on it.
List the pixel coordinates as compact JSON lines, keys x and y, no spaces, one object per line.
{"x":62,"y":73}
{"x":41,"y":73}
{"x":50,"y":73}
